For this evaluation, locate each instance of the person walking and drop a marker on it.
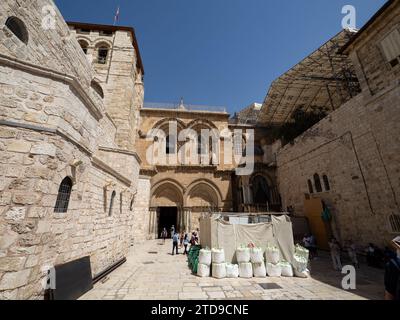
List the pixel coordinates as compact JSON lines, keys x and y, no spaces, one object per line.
{"x":172,"y":231}
{"x":186,"y":243}
{"x":335,"y":254}
{"x":175,"y":243}
{"x":352,"y":252}
{"x":164,"y":235}
{"x":182,"y":237}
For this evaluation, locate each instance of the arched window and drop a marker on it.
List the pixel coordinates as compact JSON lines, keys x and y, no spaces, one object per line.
{"x":170,"y":144}
{"x":110,"y":210}
{"x":97,"y":88}
{"x":84,"y":45}
{"x":317,"y":183}
{"x":102,"y":53}
{"x":310,"y":186}
{"x":64,"y":194}
{"x":326,"y":182}
{"x":239,"y":145}
{"x":201,"y":147}
{"x":18,"y":28}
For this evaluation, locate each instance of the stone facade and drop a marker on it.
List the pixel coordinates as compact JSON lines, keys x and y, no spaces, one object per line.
{"x":357,"y":147}
{"x":192,"y":189}
{"x":54,"y":123}
{"x":196,"y":188}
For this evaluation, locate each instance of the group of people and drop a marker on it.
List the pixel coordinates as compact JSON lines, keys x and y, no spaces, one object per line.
{"x":180,"y":239}
{"x":336,"y":250}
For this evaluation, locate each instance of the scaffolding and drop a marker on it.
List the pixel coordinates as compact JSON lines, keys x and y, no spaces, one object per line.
{"x":321,"y":82}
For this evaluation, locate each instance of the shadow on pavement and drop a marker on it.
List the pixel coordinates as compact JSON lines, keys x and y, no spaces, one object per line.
{"x":369,"y":281}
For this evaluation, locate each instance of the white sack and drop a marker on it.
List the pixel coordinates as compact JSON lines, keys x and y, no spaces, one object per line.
{"x":203,"y":270}
{"x":287,"y":270}
{"x":205,"y":257}
{"x":272,"y":255}
{"x":243,"y":255}
{"x":245,"y":270}
{"x":300,"y":263}
{"x":232,"y":270}
{"x":274,"y":270}
{"x":219,"y":270}
{"x":218,"y":256}
{"x":256,"y":255}
{"x":259,"y":270}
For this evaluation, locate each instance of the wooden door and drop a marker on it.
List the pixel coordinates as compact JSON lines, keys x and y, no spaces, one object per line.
{"x":313,"y":209}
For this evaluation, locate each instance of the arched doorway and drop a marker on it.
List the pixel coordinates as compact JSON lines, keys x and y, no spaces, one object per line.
{"x":166,"y":207}
{"x":260,"y":190}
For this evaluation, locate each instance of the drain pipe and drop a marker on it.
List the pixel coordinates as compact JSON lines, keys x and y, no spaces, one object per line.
{"x":108,"y":270}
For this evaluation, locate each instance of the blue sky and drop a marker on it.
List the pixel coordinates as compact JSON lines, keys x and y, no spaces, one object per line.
{"x":220,"y":52}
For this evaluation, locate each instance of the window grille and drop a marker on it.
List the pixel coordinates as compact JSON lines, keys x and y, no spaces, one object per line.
{"x":394,"y":220}
{"x":113,"y":195}
{"x":317,"y":183}
{"x":310,"y":187}
{"x":326,"y":182}
{"x":64,"y":194}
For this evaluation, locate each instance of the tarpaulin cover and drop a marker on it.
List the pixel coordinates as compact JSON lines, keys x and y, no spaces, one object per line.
{"x":216,"y":233}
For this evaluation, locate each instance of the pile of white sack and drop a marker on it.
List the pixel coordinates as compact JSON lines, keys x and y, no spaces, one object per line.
{"x":218,"y":263}
{"x":251,"y":263}
{"x":243,"y":258}
{"x":203,"y":269}
{"x":300,"y":262}
{"x":272,"y":257}
{"x":257,"y":260}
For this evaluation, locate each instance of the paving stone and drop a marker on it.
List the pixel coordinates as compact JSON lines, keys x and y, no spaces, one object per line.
{"x":170,"y":281}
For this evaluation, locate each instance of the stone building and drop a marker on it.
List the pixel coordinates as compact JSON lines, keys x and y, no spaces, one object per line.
{"x":184,"y":176}
{"x":350,"y":159}
{"x":87,"y":170}
{"x":258,"y":191}
{"x":69,"y":107}
{"x":181,"y":190}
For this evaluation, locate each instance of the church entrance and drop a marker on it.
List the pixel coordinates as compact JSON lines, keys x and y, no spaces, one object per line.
{"x":167,"y":217}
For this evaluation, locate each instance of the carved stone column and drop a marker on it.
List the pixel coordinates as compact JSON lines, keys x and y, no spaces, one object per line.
{"x":188,"y":219}
{"x":153,"y":223}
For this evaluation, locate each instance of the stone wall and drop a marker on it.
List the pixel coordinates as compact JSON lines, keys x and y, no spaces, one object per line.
{"x":141,"y":216}
{"x":119,"y":78}
{"x":53,"y":125}
{"x":358,"y":148}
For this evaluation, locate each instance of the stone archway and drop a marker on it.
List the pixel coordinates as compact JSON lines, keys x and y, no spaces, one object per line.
{"x":166,"y":207}
{"x":260,"y":189}
{"x":201,"y":196}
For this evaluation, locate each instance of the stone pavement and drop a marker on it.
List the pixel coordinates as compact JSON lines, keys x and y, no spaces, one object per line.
{"x":152,"y":273}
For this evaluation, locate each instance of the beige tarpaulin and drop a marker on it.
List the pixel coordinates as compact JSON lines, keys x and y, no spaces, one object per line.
{"x":283,"y":233}
{"x":216,"y":233}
